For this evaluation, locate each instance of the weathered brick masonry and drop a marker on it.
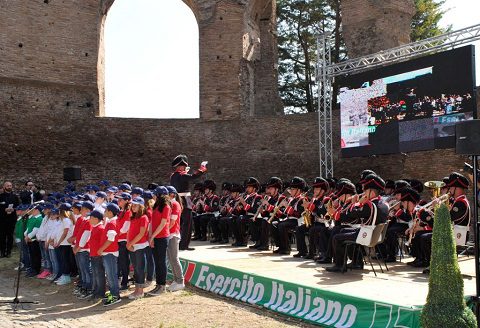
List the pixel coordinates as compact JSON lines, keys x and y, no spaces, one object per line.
{"x":51,"y":101}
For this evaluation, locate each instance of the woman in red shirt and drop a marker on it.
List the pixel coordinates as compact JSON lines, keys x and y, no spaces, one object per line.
{"x":136,"y":243}
{"x":159,"y":237}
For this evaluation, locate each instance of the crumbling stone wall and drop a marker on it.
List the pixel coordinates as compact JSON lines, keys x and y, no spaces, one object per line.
{"x":51,"y":103}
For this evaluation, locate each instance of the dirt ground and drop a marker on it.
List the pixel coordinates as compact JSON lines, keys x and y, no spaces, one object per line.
{"x":192,"y":307}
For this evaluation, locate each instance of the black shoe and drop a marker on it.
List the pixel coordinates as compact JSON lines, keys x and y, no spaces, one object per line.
{"x":284,"y":252}
{"x":196,"y":238}
{"x":254,"y":246}
{"x":299,"y":255}
{"x":123,"y":287}
{"x":420,"y":264}
{"x":263,"y":248}
{"x":213,"y":241}
{"x":225,"y":241}
{"x":276,"y":251}
{"x":426,"y":271}
{"x":391,"y":259}
{"x":203,"y":239}
{"x":324,"y":260}
{"x":190,"y":249}
{"x":335,"y":268}
{"x":8,"y":255}
{"x":353,"y":266}
{"x":308,"y":257}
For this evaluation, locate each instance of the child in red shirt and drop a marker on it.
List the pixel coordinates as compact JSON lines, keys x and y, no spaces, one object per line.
{"x":123,"y":224}
{"x":98,"y":271}
{"x":109,"y":252}
{"x":149,"y":202}
{"x":159,"y":238}
{"x":136,"y":243}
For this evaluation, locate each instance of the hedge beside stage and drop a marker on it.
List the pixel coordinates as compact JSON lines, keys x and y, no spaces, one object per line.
{"x":321,"y":307}
{"x":445,"y":305}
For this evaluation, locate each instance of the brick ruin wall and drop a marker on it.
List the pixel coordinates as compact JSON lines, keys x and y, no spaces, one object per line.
{"x":51,"y":104}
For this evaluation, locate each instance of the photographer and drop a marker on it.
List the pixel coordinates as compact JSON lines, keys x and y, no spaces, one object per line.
{"x":8,"y":202}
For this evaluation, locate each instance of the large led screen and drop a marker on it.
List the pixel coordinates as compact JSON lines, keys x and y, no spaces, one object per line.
{"x":409,"y":106}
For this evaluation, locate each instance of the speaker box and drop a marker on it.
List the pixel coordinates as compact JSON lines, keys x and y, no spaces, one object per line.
{"x":72,"y":173}
{"x":468,"y":137}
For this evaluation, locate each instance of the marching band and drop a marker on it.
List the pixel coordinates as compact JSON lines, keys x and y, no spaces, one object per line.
{"x":107,"y":230}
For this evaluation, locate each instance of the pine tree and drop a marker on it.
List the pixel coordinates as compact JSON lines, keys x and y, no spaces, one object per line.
{"x":445,"y":305}
{"x":425,"y":22}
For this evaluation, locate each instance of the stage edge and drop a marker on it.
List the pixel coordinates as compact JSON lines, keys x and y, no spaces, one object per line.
{"x":317,"y":306}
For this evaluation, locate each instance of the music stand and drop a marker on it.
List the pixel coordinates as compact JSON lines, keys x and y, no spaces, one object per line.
{"x":16,"y":301}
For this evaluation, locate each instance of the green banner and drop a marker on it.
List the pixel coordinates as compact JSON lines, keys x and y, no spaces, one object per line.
{"x":325,"y":308}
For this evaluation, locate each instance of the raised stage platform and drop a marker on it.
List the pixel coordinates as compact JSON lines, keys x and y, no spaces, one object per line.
{"x":304,"y":289}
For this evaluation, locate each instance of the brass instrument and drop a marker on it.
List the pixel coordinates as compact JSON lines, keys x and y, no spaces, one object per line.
{"x":275,"y":210}
{"x":436,"y":187}
{"x":329,"y":207}
{"x":260,"y":208}
{"x":435,"y":201}
{"x":393,"y":205}
{"x":411,"y":234}
{"x":307,"y":218}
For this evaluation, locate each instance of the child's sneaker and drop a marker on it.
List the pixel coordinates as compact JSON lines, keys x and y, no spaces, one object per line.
{"x":175,"y":286}
{"x":64,"y":280}
{"x":86,"y":294}
{"x":112,"y":300}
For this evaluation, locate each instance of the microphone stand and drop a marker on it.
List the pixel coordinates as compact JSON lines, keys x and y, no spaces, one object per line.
{"x":16,"y":301}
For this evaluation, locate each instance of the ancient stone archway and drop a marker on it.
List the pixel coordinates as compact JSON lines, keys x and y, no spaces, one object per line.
{"x":51,"y":89}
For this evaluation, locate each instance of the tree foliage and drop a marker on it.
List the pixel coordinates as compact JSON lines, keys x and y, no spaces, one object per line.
{"x":299,"y":24}
{"x":301,"y":21}
{"x":425,"y":22}
{"x":445,"y":305}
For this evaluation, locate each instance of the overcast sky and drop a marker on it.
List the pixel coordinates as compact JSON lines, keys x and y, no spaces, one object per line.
{"x":152,"y":56}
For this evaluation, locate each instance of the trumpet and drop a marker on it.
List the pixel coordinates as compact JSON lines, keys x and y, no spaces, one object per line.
{"x":260,"y":208}
{"x":435,"y":201}
{"x":393,"y":205}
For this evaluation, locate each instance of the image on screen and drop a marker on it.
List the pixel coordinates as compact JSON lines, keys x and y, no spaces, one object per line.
{"x":406,"y":107}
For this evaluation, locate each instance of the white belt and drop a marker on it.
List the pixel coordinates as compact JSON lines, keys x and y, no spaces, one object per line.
{"x":184,"y":194}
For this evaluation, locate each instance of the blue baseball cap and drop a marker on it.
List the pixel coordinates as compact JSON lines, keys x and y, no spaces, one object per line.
{"x":147,"y":195}
{"x":21,"y":207}
{"x":97,"y":214}
{"x":160,"y":191}
{"x":124,"y":187}
{"x":137,"y":190}
{"x":124,"y":196}
{"x":101,"y":194}
{"x":54,"y":211}
{"x":78,"y":205}
{"x":88,"y":205}
{"x":104,"y":183}
{"x":48,"y":206}
{"x":112,"y":207}
{"x":138,"y":201}
{"x":171,"y":190}
{"x":65,"y":207}
{"x":112,"y":189}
